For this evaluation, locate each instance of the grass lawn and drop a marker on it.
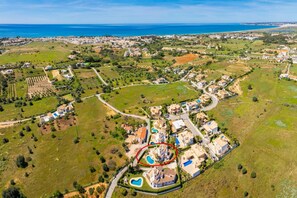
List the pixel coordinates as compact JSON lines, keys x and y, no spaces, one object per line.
{"x":38,"y":53}
{"x":130,"y":99}
{"x":108,"y":73}
{"x":21,"y":88}
{"x":41,"y":106}
{"x":58,"y":161}
{"x":267,"y":133}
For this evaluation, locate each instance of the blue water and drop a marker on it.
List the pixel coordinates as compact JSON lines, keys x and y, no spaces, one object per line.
{"x":137,"y":182}
{"x":177,"y":141}
{"x":33,"y":31}
{"x":154,"y":130}
{"x":150,"y":160}
{"x":187,"y":163}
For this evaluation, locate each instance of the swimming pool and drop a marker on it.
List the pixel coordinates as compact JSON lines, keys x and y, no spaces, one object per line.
{"x":154,"y":130}
{"x":55,"y":115}
{"x":150,"y":160}
{"x":198,"y":100}
{"x":138,"y":181}
{"x":187,"y":163}
{"x":177,"y":141}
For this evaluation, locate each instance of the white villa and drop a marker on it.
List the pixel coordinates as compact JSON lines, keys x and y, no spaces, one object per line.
{"x":178,"y":125}
{"x":174,"y":109}
{"x":220,"y":145}
{"x":211,"y":127}
{"x":159,"y":177}
{"x":192,"y":159}
{"x":184,"y":139}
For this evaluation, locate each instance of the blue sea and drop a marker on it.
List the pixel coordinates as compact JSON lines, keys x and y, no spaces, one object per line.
{"x":33,"y":31}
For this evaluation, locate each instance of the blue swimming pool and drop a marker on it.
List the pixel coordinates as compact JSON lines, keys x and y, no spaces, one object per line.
{"x":136,"y":182}
{"x":177,"y":141}
{"x":150,"y":160}
{"x":55,"y":114}
{"x":154,"y":130}
{"x":187,"y":163}
{"x":198,"y":101}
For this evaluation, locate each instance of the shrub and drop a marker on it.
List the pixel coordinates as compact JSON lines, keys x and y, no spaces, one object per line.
{"x":253,"y":174}
{"x":124,"y":192}
{"x":244,"y":171}
{"x":245,"y":194}
{"x":92,"y":169}
{"x":255,"y":99}
{"x":57,"y":194}
{"x":102,"y":159}
{"x":20,"y":162}
{"x":76,"y":140}
{"x":101,"y":179}
{"x":5,"y":140}
{"x":105,"y":168}
{"x":12,"y":192}
{"x":239,"y":166}
{"x":91,"y":191}
{"x":28,"y":129}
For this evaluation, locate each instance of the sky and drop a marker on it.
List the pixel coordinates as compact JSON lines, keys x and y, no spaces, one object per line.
{"x":145,"y":11}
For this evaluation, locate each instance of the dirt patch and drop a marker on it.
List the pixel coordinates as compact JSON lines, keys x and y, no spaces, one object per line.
{"x":86,"y":74}
{"x":185,"y":59}
{"x":235,"y":87}
{"x":56,"y":74}
{"x":87,"y":194}
{"x":59,"y":124}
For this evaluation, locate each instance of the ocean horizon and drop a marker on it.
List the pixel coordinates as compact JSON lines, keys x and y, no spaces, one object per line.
{"x":122,"y":30}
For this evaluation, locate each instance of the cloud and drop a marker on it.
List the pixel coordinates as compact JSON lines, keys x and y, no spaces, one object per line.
{"x":146,"y":11}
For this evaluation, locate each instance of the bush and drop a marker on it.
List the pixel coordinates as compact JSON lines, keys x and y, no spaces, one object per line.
{"x":101,"y":179}
{"x":239,"y":166}
{"x":92,"y":169}
{"x":91,"y":191}
{"x":255,"y":99}
{"x":57,"y":194}
{"x":20,"y":162}
{"x":253,"y":174}
{"x":105,"y":168}
{"x":76,"y":140}
{"x":28,"y":129}
{"x":124,"y":192}
{"x":102,"y":159}
{"x":244,"y":171}
{"x":245,"y":194}
{"x":5,"y":140}
{"x":100,"y":189}
{"x":12,"y":192}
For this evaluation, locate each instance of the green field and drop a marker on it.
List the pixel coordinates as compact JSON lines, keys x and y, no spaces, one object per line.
{"x":41,"y":106}
{"x":58,"y":161}
{"x":267,"y":133}
{"x":129,"y":98}
{"x":38,"y":53}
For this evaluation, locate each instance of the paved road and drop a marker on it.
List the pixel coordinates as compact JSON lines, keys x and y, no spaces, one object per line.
{"x":190,"y":125}
{"x":105,"y":83}
{"x":134,"y":163}
{"x":214,"y":100}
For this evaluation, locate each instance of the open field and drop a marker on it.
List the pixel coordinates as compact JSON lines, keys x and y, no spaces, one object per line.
{"x":38,"y":53}
{"x":59,"y":161}
{"x":129,"y":99}
{"x":89,"y":81}
{"x":267,"y":133}
{"x":185,"y":59}
{"x":41,"y":106}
